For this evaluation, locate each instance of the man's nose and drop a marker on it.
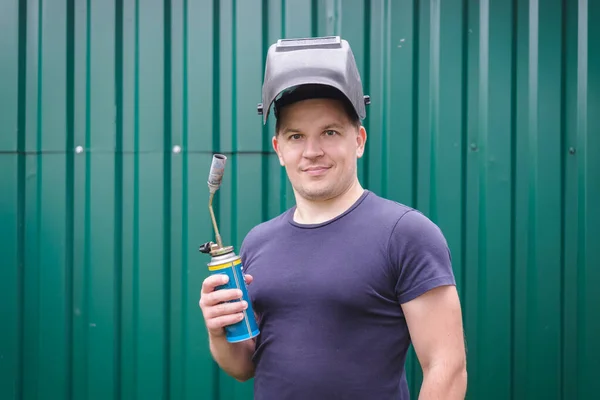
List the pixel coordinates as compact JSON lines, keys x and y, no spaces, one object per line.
{"x":312,"y":147}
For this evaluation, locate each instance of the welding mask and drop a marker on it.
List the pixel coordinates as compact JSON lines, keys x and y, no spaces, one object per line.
{"x":322,"y":67}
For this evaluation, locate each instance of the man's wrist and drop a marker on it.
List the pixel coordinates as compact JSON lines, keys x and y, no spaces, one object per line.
{"x":217,"y":338}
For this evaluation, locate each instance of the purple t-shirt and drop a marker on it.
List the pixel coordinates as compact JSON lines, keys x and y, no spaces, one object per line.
{"x":328,"y":299}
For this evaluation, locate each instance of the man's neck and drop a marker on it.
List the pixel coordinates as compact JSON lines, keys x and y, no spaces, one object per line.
{"x":316,"y":212}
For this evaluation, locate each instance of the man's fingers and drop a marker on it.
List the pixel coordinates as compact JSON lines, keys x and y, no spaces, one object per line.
{"x":213,"y":281}
{"x":217,"y":306}
{"x":223,"y":309}
{"x":210,"y":283}
{"x":217,"y":324}
{"x":219,"y":296}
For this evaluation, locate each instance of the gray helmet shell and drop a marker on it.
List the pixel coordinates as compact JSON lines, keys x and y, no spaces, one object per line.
{"x":324,"y":60}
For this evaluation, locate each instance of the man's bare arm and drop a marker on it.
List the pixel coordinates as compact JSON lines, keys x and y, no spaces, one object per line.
{"x":435,"y":324}
{"x":234,"y":358}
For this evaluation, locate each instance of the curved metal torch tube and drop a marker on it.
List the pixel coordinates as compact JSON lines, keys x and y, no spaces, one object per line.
{"x":215,"y":177}
{"x":214,"y":221}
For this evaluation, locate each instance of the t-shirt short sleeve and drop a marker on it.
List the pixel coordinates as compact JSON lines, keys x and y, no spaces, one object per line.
{"x":420,"y":255}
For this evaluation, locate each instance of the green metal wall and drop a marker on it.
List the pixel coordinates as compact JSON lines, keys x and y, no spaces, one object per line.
{"x":484,"y":115}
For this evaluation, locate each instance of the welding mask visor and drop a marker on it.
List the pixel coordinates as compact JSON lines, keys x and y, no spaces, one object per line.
{"x":321,"y":67}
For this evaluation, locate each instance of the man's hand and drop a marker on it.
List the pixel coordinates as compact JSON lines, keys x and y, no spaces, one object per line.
{"x":435,"y":324}
{"x":217,"y":311}
{"x":234,"y":358}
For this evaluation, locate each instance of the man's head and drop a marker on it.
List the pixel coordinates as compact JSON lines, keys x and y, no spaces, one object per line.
{"x":318,"y":139}
{"x":314,"y":89}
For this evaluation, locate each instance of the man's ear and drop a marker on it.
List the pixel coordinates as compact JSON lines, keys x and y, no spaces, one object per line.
{"x":275,"y":143}
{"x":361,"y":140}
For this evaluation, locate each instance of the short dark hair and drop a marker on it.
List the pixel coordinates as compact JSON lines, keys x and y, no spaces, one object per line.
{"x":313,"y":91}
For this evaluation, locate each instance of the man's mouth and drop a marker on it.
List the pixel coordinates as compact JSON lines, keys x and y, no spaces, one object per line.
{"x":316,"y":170}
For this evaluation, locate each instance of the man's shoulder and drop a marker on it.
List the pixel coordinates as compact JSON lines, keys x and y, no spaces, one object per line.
{"x":269,"y":227}
{"x":404,"y":223}
{"x":386,"y":204}
{"x":382,"y":210}
{"x":260,"y":233}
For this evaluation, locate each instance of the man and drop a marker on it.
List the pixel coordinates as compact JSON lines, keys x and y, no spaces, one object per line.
{"x":344,"y":281}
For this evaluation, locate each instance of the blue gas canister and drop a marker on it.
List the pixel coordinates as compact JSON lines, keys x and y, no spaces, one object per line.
{"x":230,"y":264}
{"x":225,"y":261}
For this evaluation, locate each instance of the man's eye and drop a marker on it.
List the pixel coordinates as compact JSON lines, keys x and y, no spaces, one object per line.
{"x":330,"y":133}
{"x":295,"y":136}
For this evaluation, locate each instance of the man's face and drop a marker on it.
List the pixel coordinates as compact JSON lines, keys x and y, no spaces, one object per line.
{"x":318,"y":145}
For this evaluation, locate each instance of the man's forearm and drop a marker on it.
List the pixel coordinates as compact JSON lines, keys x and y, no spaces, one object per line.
{"x":444,"y":382}
{"x":234,"y":358}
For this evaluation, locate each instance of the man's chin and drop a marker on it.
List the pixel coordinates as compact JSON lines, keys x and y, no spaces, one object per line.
{"x":316,"y":193}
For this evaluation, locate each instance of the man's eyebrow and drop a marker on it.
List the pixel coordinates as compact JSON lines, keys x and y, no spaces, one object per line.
{"x":291,"y":130}
{"x":332,"y":125}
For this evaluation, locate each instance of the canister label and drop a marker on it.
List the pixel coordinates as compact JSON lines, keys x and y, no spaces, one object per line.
{"x":247,"y":328}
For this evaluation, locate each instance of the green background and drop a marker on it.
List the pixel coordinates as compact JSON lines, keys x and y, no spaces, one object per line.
{"x":485,"y":115}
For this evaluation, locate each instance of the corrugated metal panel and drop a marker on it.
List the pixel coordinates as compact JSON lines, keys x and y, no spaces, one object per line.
{"x":483,"y":116}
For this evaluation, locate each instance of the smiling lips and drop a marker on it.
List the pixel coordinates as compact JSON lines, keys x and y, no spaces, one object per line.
{"x":316,"y":170}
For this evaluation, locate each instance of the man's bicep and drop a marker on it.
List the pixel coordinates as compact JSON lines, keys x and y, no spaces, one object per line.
{"x":434,"y":321}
